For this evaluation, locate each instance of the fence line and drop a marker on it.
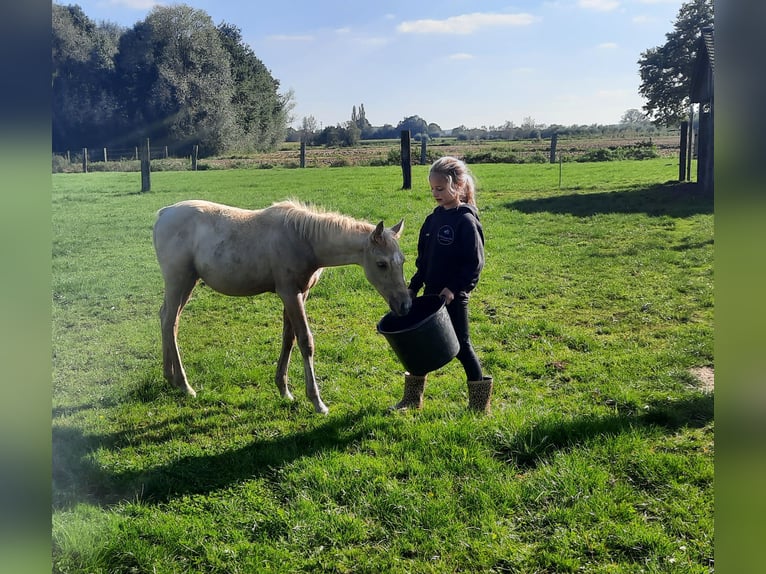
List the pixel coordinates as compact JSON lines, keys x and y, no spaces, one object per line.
{"x":113,"y":154}
{"x":492,"y":151}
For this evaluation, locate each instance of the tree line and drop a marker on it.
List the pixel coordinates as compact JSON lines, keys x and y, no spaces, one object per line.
{"x":633,"y":123}
{"x":174,"y":78}
{"x":179,"y":80}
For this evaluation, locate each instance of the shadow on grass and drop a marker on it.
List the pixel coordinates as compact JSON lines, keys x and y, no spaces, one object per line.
{"x":672,"y":199}
{"x":78,"y":478}
{"x":527,"y":449}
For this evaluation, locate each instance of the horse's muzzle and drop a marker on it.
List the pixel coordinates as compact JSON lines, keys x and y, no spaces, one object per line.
{"x":401,"y":308}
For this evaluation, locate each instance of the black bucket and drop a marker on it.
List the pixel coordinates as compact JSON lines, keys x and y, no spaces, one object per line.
{"x":424,"y":339}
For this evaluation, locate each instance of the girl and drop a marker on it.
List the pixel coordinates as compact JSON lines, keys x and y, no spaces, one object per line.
{"x":450,"y":259}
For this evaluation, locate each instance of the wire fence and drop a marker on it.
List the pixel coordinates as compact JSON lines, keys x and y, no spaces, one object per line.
{"x":369,"y":153}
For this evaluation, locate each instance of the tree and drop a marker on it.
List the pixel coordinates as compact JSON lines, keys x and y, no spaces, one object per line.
{"x":633,"y":117}
{"x":177,"y":87}
{"x":84,"y":105}
{"x":666,"y":70}
{"x":351,"y":134}
{"x":308,"y":128}
{"x":415,"y":124}
{"x":434,"y":130}
{"x":260,"y":112}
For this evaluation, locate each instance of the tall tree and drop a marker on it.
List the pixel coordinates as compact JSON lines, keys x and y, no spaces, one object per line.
{"x":176,"y":79}
{"x":633,"y":117}
{"x":415,"y":124}
{"x":261,"y":112}
{"x":308,"y":129}
{"x":84,"y":106}
{"x":666,"y":70}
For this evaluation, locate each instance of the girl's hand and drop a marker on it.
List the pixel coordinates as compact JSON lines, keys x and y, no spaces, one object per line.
{"x":447,"y":295}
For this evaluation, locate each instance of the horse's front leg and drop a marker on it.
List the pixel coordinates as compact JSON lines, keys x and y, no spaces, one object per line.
{"x":296,"y":313}
{"x":288,"y":341}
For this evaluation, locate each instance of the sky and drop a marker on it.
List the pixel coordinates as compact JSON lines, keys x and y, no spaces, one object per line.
{"x":477,"y":63}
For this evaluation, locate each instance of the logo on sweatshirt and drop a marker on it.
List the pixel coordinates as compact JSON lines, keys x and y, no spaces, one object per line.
{"x":446,"y":235}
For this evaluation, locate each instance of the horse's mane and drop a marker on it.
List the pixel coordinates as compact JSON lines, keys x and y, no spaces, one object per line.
{"x":312,"y":221}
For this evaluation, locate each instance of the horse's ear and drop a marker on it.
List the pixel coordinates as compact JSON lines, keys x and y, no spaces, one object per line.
{"x":377,"y":235}
{"x":397,"y":229}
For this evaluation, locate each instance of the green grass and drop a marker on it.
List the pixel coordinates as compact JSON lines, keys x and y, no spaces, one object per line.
{"x":596,"y":300}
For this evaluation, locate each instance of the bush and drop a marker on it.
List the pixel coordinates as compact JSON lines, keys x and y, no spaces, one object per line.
{"x":601,"y":154}
{"x":61,"y":165}
{"x":643,"y":150}
{"x":395,"y":156}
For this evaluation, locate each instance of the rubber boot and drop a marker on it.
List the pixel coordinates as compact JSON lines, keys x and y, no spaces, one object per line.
{"x":479,"y":394}
{"x":414,"y":386}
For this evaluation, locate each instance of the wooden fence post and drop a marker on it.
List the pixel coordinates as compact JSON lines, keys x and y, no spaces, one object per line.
{"x":303,"y":154}
{"x":423,"y":156}
{"x":85,"y":160}
{"x":195,"y":154}
{"x":554,"y":142}
{"x":146,"y":184}
{"x":690,"y":145}
{"x":406,"y":165}
{"x":105,"y":159}
{"x":683,"y":151}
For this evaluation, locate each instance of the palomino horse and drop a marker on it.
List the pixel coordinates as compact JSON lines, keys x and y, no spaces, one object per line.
{"x":281,"y":249}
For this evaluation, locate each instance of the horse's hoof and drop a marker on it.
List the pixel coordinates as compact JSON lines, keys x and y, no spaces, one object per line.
{"x":187,"y":389}
{"x":321,"y":408}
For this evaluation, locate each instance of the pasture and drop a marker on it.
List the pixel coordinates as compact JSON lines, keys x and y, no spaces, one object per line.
{"x":593,"y":314}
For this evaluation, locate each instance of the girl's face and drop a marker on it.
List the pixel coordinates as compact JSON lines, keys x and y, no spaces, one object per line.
{"x":442,"y":192}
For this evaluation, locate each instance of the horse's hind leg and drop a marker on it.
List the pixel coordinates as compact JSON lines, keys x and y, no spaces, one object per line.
{"x":176,"y":296}
{"x":288,"y":341}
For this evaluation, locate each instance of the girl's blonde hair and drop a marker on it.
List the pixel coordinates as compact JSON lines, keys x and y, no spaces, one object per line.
{"x":459,"y":177}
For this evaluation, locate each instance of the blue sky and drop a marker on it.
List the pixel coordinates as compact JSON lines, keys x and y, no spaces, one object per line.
{"x":452,"y":62}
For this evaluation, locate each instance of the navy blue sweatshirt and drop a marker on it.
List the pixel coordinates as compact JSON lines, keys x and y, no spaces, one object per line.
{"x":450,"y":251}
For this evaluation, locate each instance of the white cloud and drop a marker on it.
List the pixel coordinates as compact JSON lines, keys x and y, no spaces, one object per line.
{"x":465,"y":23}
{"x":461,"y":56}
{"x":599,"y":5}
{"x":607,"y":46}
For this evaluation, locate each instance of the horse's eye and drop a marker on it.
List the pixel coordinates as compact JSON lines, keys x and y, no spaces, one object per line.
{"x":382,"y":264}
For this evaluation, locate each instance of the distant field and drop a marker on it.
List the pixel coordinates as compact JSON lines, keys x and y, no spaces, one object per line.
{"x":594,"y":315}
{"x":379,"y":152}
{"x":368,"y":152}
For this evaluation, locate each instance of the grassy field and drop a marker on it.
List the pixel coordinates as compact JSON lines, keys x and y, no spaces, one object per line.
{"x":593,"y":313}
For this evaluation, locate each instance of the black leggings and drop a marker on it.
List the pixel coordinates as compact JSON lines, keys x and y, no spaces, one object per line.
{"x":458,"y":314}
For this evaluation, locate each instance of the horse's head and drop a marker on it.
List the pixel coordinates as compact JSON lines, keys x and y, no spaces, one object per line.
{"x":384,"y":267}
